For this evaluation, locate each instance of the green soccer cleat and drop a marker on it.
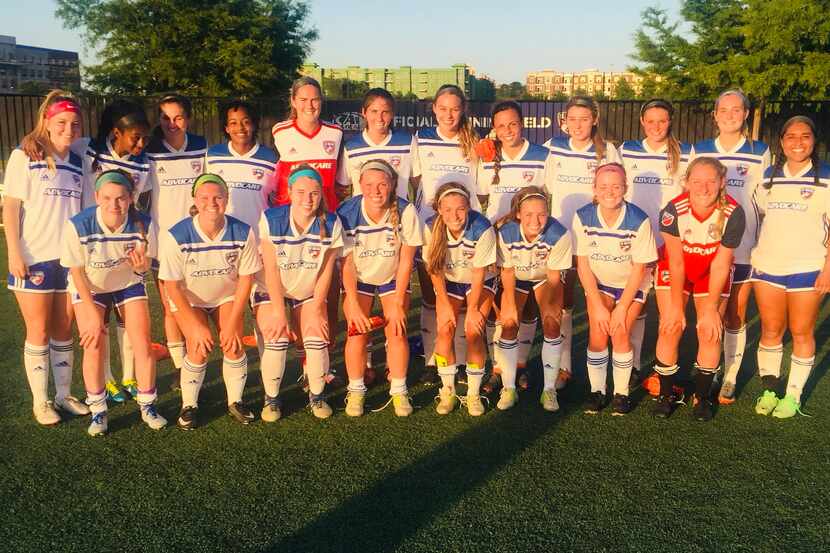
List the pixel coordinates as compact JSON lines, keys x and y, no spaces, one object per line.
{"x":402,"y":405}
{"x":447,"y":400}
{"x":787,"y":407}
{"x":130,"y":388}
{"x":549,"y":401}
{"x":765,"y":404}
{"x":113,"y":393}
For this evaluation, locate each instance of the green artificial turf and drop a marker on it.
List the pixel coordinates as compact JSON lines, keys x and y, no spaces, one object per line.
{"x":522,"y":480}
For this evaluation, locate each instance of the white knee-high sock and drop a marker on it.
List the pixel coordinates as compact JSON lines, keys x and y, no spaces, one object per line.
{"x":597,"y":362}
{"x":191,"y":379}
{"x":734,"y":343}
{"x":638,"y":332}
{"x":551,"y":356}
{"x":460,"y":340}
{"x":317,"y":360}
{"x":272,"y":366}
{"x":567,"y":334}
{"x":622,"y":363}
{"x":235,"y":374}
{"x":36,"y":362}
{"x":61,"y":356}
{"x":800,"y":368}
{"x":769,"y":360}
{"x":508,"y":355}
{"x":527,"y":332}
{"x":447,"y":374}
{"x":176,"y":350}
{"x":428,"y":331}
{"x":125,"y":347}
{"x":475,"y":374}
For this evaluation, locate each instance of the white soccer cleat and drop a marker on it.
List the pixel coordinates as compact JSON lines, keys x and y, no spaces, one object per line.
{"x":152,"y":418}
{"x":98,"y":426}
{"x":72,"y":405}
{"x":549,"y":401}
{"x":475,"y":407}
{"x":508,"y":398}
{"x":354,"y":403}
{"x":45,"y":414}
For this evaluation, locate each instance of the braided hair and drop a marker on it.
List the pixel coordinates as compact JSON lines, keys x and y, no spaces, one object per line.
{"x":781,"y":159}
{"x":498,"y":108}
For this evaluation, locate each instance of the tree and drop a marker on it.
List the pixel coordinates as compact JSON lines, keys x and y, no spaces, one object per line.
{"x":773,"y":49}
{"x":343,"y":89}
{"x":511,"y":91}
{"x":199,"y":47}
{"x":624,"y":91}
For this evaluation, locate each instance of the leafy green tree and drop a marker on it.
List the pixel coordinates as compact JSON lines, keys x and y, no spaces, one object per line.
{"x":343,"y":89}
{"x":199,"y":47}
{"x":511,"y":91}
{"x":624,"y":91}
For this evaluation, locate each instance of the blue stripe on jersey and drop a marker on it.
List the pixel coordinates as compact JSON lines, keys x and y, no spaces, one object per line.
{"x":510,"y":234}
{"x":262,"y":154}
{"x":194,"y":143}
{"x":399,"y":138}
{"x":757,"y":148}
{"x":235,"y":234}
{"x":102,"y":152}
{"x":88,"y":229}
{"x":632,"y":221}
{"x":573,"y":154}
{"x":198,"y":155}
{"x":62,"y":166}
{"x":740,"y":158}
{"x":636,"y":147}
{"x":517,"y":166}
{"x":476,"y":225}
{"x":400,"y":150}
{"x":236,"y":160}
{"x":279,"y":226}
{"x":351,"y":215}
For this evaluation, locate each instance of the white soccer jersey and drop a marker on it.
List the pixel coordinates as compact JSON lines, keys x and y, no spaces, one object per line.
{"x":475,"y":248}
{"x":101,"y":157}
{"x":321,"y":150}
{"x":89,"y":243}
{"x":250,"y":179}
{"x":48,"y":199}
{"x":650,"y":185}
{"x":172,"y":173}
{"x":210,"y":268}
{"x":397,"y":149}
{"x":528,"y":168}
{"x":745,"y":164}
{"x":796,"y":221}
{"x":374,"y":246}
{"x":572,"y":176}
{"x":612,"y":248}
{"x":532,"y":259}
{"x":300,"y":252}
{"x":440,"y":160}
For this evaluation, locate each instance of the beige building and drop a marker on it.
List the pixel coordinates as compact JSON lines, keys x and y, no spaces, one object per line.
{"x":549,"y":83}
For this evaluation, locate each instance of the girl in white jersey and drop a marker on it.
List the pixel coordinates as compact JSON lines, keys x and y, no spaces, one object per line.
{"x":207,"y":263}
{"x":382,"y":233}
{"x":614,"y":244}
{"x":107,"y":249}
{"x":176,"y":157}
{"x":745,"y":160}
{"x":533,"y":250}
{"x":574,"y":159}
{"x":790,"y":264}
{"x":459,"y":249}
{"x":41,"y":194}
{"x":445,"y":153}
{"x":655,"y":167}
{"x":299,"y":243}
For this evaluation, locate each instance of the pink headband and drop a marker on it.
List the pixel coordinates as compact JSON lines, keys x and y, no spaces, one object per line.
{"x":613,"y":167}
{"x":62,"y":106}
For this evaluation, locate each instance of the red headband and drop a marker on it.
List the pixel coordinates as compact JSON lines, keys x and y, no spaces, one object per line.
{"x":62,"y":106}
{"x":613,"y":167}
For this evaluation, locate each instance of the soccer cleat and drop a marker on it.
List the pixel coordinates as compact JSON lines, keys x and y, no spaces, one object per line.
{"x":703,"y":409}
{"x":320,"y":409}
{"x":130,"y":388}
{"x":447,"y":401}
{"x":187,"y":417}
{"x":271,"y":411}
{"x":652,"y":384}
{"x":508,"y":398}
{"x":354,"y":403}
{"x":492,"y":383}
{"x":562,"y":378}
{"x":766,"y":404}
{"x":475,"y":407}
{"x":596,"y":401}
{"x":72,"y":405}
{"x":402,"y":405}
{"x":152,"y":418}
{"x":664,"y":407}
{"x":787,"y":407}
{"x":620,"y":405}
{"x":727,"y":393}
{"x":45,"y":414}
{"x":549,"y":401}
{"x":113,"y":393}
{"x":240,"y":413}
{"x":98,"y":425}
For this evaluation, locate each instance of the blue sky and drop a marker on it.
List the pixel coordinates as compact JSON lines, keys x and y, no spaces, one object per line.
{"x":502,"y":43}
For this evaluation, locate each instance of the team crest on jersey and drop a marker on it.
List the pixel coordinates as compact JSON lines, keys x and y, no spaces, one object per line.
{"x":665,"y":276}
{"x":468,"y":253}
{"x":196,"y":166}
{"x":135,"y":179}
{"x":667,"y":219}
{"x":806,"y":193}
{"x":231,"y":257}
{"x":742,"y":169}
{"x":36,"y":277}
{"x":390,"y":238}
{"x":258,"y":173}
{"x":314,"y":251}
{"x":714,"y":231}
{"x":591,"y":165}
{"x":328,"y":146}
{"x":625,"y":245}
{"x":528,"y":176}
{"x":541,"y":253}
{"x":395,"y":161}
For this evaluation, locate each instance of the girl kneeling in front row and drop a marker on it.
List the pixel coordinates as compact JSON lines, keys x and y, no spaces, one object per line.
{"x":107,"y":250}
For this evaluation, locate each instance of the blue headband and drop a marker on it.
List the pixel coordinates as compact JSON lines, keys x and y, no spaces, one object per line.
{"x":309,"y":172}
{"x":115,"y":177}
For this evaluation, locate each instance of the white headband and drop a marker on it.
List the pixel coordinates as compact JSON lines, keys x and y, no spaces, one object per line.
{"x":453,"y":190}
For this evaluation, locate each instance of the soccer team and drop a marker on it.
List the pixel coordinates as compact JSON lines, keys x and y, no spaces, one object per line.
{"x":498,"y":232}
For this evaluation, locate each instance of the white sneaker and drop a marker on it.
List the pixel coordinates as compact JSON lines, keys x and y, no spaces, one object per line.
{"x":150,"y":416}
{"x":320,"y":409}
{"x":98,"y":426}
{"x":475,"y":407}
{"x":271,"y":411}
{"x":507,"y":399}
{"x":45,"y":414}
{"x":549,"y":401}
{"x":446,"y":401}
{"x":72,"y":405}
{"x":354,"y":403}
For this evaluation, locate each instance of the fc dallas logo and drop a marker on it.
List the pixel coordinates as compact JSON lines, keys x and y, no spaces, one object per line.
{"x":395,"y":161}
{"x":667,"y":219}
{"x":528,"y":176}
{"x":36,"y":277}
{"x":328,"y":146}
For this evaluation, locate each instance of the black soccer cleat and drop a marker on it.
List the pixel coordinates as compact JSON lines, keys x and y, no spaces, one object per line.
{"x":240,"y":413}
{"x":663,"y":407}
{"x":596,"y":401}
{"x":703,"y":409}
{"x":620,"y":405}
{"x":187,"y":418}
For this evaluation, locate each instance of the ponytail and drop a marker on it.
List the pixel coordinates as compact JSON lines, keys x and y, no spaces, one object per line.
{"x":38,"y":141}
{"x":439,"y":243}
{"x":467,"y":137}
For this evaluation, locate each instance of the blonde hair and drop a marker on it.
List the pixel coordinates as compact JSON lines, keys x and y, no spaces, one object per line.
{"x":722,"y":202}
{"x":38,"y":139}
{"x":439,"y":245}
{"x":672,"y":144}
{"x":596,"y":135}
{"x":392,"y":199}
{"x":518,"y":199}
{"x":297,"y":85}
{"x":467,"y":137}
{"x":747,"y":106}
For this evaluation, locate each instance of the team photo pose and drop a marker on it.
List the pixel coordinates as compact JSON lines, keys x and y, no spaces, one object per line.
{"x":381,"y":235}
{"x":746,"y":160}
{"x":790,"y":282}
{"x":655,"y":168}
{"x":176,"y":158}
{"x":107,"y":249}
{"x":459,"y":249}
{"x":41,"y":194}
{"x":207,"y":263}
{"x":614,"y":245}
{"x":574,"y":159}
{"x":533,"y":250}
{"x":299,"y":244}
{"x":701,"y":228}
